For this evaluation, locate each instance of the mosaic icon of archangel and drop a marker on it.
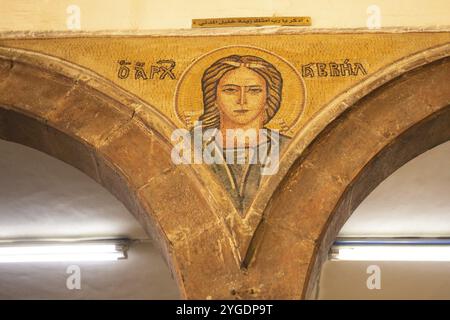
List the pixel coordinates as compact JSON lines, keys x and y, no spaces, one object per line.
{"x":241,"y":94}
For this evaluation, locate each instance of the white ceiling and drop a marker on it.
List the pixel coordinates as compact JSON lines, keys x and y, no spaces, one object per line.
{"x":44,"y":198}
{"x":413,"y":201}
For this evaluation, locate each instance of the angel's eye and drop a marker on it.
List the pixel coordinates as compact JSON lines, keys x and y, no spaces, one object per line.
{"x":255,"y":90}
{"x":230,"y":90}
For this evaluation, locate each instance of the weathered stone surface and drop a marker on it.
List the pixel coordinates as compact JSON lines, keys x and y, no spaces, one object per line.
{"x":38,"y":94}
{"x":138,"y":153}
{"x":80,"y":111}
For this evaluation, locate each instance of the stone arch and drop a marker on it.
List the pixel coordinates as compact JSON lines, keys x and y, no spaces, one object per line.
{"x":123,"y":143}
{"x":367,"y":142}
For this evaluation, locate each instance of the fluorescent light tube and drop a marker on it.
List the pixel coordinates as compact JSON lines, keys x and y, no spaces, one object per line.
{"x":391,"y":253}
{"x":391,"y":249}
{"x":61,"y":252}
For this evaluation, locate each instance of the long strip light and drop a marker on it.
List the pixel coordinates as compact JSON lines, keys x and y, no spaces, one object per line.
{"x":419,"y":249}
{"x":60,"y":252}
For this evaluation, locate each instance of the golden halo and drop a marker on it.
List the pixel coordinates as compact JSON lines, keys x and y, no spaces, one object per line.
{"x":188,"y":99}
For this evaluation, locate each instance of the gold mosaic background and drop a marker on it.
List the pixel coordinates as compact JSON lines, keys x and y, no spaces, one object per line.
{"x":102,"y":55}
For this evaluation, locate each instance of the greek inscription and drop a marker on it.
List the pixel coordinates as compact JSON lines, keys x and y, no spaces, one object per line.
{"x":140,"y":70}
{"x":333,"y":69}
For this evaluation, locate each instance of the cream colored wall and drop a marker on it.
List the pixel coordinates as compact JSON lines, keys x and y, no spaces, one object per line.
{"x":39,"y":15}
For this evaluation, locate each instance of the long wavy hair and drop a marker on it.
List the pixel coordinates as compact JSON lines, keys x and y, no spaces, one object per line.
{"x":211,"y":77}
